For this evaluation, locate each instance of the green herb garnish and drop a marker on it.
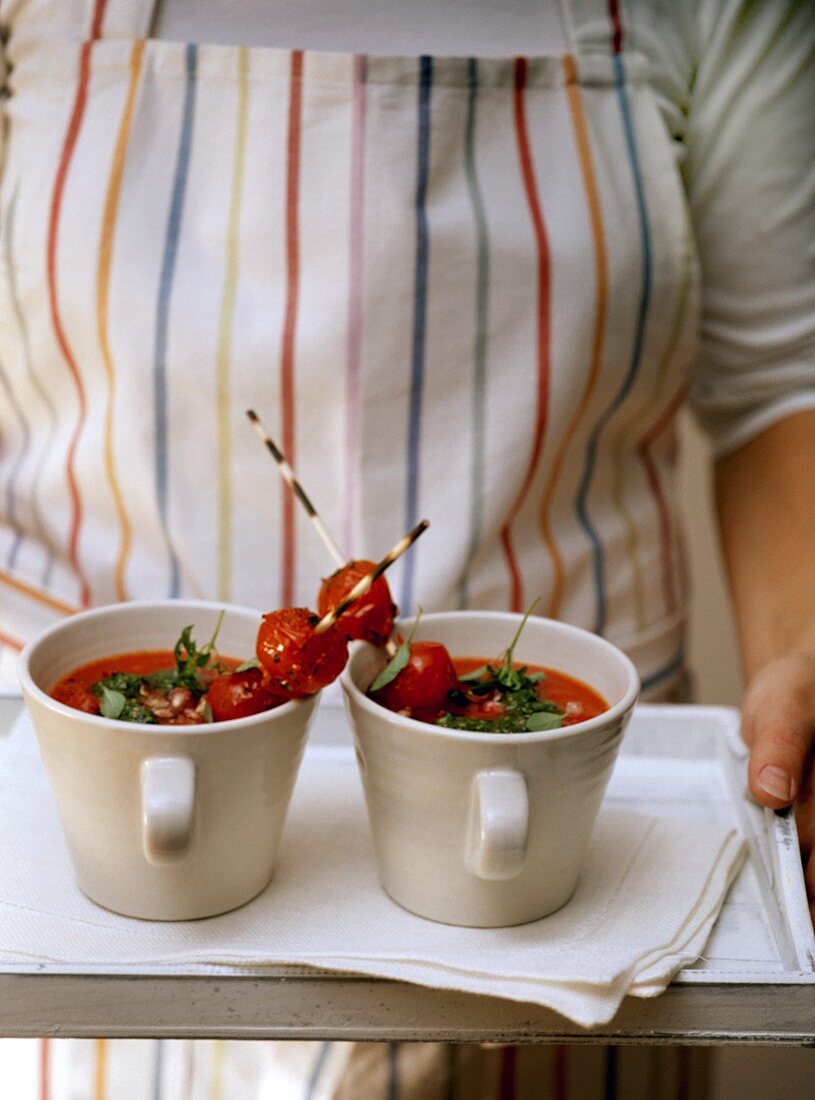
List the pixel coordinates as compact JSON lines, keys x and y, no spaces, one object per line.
{"x":525,"y":711}
{"x":113,"y":702}
{"x":476,"y":674}
{"x":119,"y":695}
{"x":121,"y":692}
{"x":125,"y":683}
{"x":116,"y":705}
{"x":544,"y":720}
{"x":398,"y":661}
{"x":189,"y":660}
{"x":134,"y":711}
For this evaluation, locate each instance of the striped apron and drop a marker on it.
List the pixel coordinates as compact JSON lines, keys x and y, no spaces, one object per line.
{"x":457,"y":288}
{"x":454,"y":288}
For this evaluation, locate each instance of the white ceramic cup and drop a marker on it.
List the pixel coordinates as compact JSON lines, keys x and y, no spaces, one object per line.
{"x":488,"y":829}
{"x":163,"y":822}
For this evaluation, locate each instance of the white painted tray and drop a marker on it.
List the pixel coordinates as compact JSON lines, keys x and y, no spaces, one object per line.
{"x":690,"y":762}
{"x":680,"y":762}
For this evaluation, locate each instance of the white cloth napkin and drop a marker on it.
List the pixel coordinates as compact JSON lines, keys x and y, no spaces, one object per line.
{"x":644,"y":907}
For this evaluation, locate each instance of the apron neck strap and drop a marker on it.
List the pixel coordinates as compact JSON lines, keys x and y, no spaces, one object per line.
{"x":120,"y":18}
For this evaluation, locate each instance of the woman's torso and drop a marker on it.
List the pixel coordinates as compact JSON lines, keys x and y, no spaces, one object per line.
{"x":455,"y":288}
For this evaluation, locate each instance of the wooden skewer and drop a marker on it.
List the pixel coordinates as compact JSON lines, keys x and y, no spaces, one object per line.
{"x":288,"y":475}
{"x":363,"y":586}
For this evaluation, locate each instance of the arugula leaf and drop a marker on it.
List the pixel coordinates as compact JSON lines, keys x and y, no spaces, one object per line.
{"x":113,"y":702}
{"x":189,"y":659}
{"x":398,"y":661}
{"x":544,"y":720}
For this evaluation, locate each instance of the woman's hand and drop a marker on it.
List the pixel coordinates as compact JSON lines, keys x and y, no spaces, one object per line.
{"x":778,"y":723}
{"x":765,"y":493}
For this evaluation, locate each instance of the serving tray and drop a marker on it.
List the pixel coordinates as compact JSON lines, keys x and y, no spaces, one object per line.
{"x":690,"y":763}
{"x":680,"y":762}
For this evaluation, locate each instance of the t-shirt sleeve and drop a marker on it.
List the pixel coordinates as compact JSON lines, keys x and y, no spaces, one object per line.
{"x":750,"y":175}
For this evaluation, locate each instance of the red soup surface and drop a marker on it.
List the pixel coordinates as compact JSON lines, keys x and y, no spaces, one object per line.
{"x":572,"y":698}
{"x":74,"y":690}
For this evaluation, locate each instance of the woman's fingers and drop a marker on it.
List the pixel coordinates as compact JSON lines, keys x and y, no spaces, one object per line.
{"x":778,"y":723}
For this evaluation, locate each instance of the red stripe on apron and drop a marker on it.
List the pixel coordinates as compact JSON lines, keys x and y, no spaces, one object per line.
{"x":528,"y":173}
{"x":617,"y":26}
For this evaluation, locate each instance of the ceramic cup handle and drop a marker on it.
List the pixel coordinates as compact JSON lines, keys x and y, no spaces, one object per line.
{"x":168,"y":804}
{"x":499,"y":824}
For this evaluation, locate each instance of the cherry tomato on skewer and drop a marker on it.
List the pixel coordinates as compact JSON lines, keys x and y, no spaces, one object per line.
{"x":370,"y":617}
{"x":294,"y":657}
{"x":239,"y":694}
{"x":424,"y":682}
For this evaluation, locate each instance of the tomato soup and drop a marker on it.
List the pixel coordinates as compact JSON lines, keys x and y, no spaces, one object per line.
{"x":491,"y":697}
{"x":146,"y":679}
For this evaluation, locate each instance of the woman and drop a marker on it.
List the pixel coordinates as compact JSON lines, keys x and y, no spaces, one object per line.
{"x":457,"y":285}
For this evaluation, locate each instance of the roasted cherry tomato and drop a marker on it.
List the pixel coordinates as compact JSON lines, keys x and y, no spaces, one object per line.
{"x":239,"y":694}
{"x":294,"y":657}
{"x":424,"y":682}
{"x":369,"y":618}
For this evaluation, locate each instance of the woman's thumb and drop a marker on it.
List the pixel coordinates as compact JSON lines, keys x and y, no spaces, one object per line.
{"x":778,"y":722}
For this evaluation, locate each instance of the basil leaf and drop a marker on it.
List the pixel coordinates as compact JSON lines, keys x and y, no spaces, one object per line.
{"x":543,"y":720}
{"x":392,"y":669}
{"x":113,"y":703}
{"x":476,"y":674}
{"x":253,"y":662}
